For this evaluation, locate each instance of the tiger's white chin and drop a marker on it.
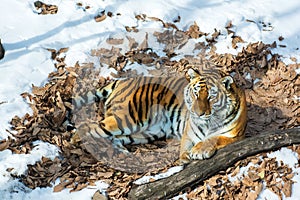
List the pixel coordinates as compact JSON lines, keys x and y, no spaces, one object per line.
{"x":205,"y":117}
{"x":202,"y":117}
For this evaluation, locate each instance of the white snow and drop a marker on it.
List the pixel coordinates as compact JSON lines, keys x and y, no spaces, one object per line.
{"x":16,"y":190}
{"x":26,"y":35}
{"x":146,"y":179}
{"x":18,"y":162}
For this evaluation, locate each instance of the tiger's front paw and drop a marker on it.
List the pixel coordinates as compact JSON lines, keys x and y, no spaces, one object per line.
{"x":183,"y":159}
{"x":202,"y":150}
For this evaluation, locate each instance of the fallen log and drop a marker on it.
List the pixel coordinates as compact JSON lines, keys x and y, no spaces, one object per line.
{"x":198,"y":171}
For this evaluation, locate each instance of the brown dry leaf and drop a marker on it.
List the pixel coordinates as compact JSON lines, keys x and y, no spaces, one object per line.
{"x":60,"y":186}
{"x":4,"y":144}
{"x":276,"y":191}
{"x":214,"y":181}
{"x":141,"y":17}
{"x":63,"y":50}
{"x":200,"y":46}
{"x":165,"y":24}
{"x":100,"y":17}
{"x":235,"y":171}
{"x":235,"y":40}
{"x":253,"y":176}
{"x":261,"y":174}
{"x":194,"y":31}
{"x":287,"y":188}
{"x":128,"y":29}
{"x":110,"y":14}
{"x":293,"y":59}
{"x":177,"y":20}
{"x":79,"y":187}
{"x":252,"y":196}
{"x":98,"y":196}
{"x":229,"y":25}
{"x":114,"y":41}
{"x":132,"y":43}
{"x":170,"y":25}
{"x":144,"y":44}
{"x":132,"y":29}
{"x":45,"y":8}
{"x":289,"y":176}
{"x":3,"y":102}
{"x":108,"y":56}
{"x":172,"y":39}
{"x":155,"y":19}
{"x":105,"y":175}
{"x":258,"y":188}
{"x":251,"y":21}
{"x":53,"y":53}
{"x":77,"y":151}
{"x":215,"y":35}
{"x":152,"y":180}
{"x":247,"y":181}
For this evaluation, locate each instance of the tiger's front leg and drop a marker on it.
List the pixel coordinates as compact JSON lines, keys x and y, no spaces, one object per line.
{"x":203,"y":149}
{"x":207,"y":148}
{"x":185,"y":146}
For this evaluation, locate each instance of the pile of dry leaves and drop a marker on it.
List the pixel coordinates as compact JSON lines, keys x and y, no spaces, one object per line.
{"x":270,"y":87}
{"x":263,"y":173}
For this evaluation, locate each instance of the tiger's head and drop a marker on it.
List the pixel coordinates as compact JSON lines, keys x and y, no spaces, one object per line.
{"x":214,"y":99}
{"x":197,"y":95}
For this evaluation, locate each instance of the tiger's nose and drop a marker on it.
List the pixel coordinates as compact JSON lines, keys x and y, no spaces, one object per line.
{"x":201,"y":110}
{"x":205,"y":113}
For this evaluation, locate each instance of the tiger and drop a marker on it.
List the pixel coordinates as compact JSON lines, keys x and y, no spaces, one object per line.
{"x":204,"y":110}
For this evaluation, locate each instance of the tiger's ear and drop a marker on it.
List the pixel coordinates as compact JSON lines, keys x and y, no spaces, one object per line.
{"x":227,"y":81}
{"x":191,"y":74}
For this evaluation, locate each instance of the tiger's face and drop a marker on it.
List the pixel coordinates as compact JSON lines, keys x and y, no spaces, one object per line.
{"x":211,"y":97}
{"x":198,"y":93}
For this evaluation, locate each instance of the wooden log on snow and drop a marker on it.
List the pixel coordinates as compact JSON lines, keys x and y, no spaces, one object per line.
{"x":198,"y":171}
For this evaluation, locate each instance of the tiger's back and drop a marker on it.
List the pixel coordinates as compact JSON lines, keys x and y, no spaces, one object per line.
{"x":145,"y":108}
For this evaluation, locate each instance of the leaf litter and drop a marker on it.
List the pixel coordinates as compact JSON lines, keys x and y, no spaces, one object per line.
{"x":45,"y":9}
{"x":270,"y":86}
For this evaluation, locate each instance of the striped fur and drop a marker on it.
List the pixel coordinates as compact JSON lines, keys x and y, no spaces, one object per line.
{"x":206,"y":112}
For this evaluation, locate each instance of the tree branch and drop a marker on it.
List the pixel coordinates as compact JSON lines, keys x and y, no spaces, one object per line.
{"x":198,"y":171}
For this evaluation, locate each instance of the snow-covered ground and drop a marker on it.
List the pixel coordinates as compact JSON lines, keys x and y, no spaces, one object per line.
{"x":26,"y":35}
